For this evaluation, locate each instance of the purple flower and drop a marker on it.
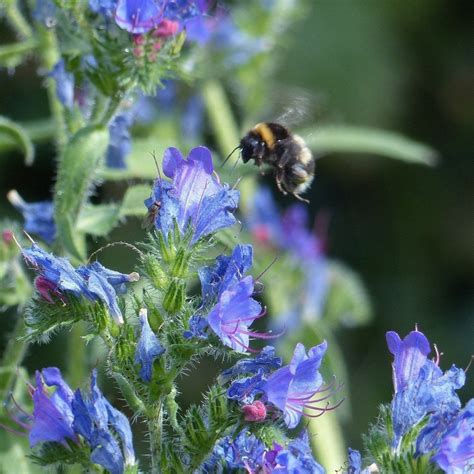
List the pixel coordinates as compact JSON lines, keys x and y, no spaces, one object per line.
{"x":421,"y":388}
{"x":39,"y":216}
{"x":120,"y":144}
{"x":235,"y":311}
{"x":148,"y":348}
{"x":137,"y":16}
{"x":409,"y":356}
{"x":265,"y":362}
{"x":455,"y":453}
{"x":95,"y":419}
{"x":297,"y":458}
{"x":355,"y":462}
{"x":293,"y":387}
{"x":245,"y":390}
{"x":52,"y":414}
{"x":244,"y":452}
{"x":226,"y":272}
{"x":94,"y":281}
{"x":64,"y":84}
{"x":195,"y":198}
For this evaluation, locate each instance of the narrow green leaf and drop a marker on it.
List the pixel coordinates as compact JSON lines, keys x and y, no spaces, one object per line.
{"x":98,"y":220}
{"x":17,"y":134}
{"x":76,"y":172}
{"x":11,"y":55}
{"x":132,"y":204}
{"x":341,"y":139}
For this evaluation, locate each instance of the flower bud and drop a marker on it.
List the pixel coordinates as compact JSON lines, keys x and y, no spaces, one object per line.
{"x":174,"y":297}
{"x":179,"y":268}
{"x":256,"y":411}
{"x":155,"y":272}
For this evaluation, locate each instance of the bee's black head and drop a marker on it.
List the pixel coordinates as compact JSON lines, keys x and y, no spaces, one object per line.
{"x":252,"y":147}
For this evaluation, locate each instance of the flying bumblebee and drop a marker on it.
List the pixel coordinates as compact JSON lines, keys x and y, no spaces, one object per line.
{"x":274,"y":145}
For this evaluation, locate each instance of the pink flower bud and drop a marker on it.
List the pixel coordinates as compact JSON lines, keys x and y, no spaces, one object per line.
{"x":256,"y":411}
{"x":7,"y":236}
{"x":166,"y":28}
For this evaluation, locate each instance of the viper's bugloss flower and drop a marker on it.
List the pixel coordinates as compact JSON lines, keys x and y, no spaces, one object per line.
{"x":104,"y":7}
{"x":297,"y":457}
{"x":235,"y":311}
{"x":288,"y":231}
{"x":455,"y":453}
{"x":245,"y":451}
{"x":52,"y":417}
{"x":421,"y":388}
{"x":226,"y":272}
{"x":64,"y":84}
{"x":355,"y":462}
{"x":245,"y":390}
{"x":293,"y":387}
{"x":95,"y":282}
{"x":96,"y":420}
{"x":148,"y":348}
{"x":141,"y":16}
{"x":120,"y":141}
{"x":264,"y":362}
{"x":194,"y":199}
{"x":39,"y":216}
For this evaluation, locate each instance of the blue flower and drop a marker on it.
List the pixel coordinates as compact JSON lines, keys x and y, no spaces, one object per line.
{"x":95,"y":420}
{"x":39,"y":216}
{"x":297,"y":458}
{"x":148,"y":348}
{"x":45,"y":12}
{"x":104,"y":7}
{"x":235,"y":311}
{"x":52,"y":414}
{"x":355,"y":462}
{"x":265,"y":362}
{"x":409,"y":356}
{"x":226,"y":272}
{"x":244,"y":390}
{"x":120,"y":143}
{"x":64,"y":84}
{"x":421,"y":388}
{"x":94,"y":281}
{"x":197,"y":328}
{"x":195,"y":198}
{"x":137,"y":16}
{"x":246,"y":451}
{"x":455,"y":453}
{"x":192,"y":119}
{"x":293,"y":387}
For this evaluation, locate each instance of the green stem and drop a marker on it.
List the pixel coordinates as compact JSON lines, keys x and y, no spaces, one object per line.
{"x":49,"y":53}
{"x":155,"y":426}
{"x":17,"y":21}
{"x":10,"y":51}
{"x":226,"y":131}
{"x":327,"y":441}
{"x":12,"y":357}
{"x":77,"y":361}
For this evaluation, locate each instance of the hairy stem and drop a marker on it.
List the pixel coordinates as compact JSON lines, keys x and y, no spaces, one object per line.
{"x":17,"y":20}
{"x":155,"y":427}
{"x":12,"y":357}
{"x":77,"y":363}
{"x":49,"y":54}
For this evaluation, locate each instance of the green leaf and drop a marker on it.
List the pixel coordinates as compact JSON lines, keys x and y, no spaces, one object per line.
{"x":76,"y":172}
{"x":133,"y":204}
{"x":347,"y":302}
{"x":11,"y":55}
{"x":16,"y":133}
{"x":368,"y":140}
{"x":98,"y":220}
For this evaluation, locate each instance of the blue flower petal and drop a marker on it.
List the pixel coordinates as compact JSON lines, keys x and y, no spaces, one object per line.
{"x":106,"y":452}
{"x":64,"y":84}
{"x":148,"y":348}
{"x":137,"y":16}
{"x":120,"y":143}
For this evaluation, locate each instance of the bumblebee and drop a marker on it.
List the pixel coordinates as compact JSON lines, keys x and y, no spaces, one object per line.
{"x":274,"y":145}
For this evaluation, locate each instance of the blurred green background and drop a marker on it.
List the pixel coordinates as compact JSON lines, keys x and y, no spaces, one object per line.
{"x":407,"y":229}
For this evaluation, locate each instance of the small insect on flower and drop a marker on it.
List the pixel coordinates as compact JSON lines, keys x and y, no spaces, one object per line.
{"x":152,"y":214}
{"x":273,"y":144}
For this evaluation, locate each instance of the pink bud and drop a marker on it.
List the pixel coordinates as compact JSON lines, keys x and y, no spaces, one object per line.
{"x":7,"y":236}
{"x":138,"y":40}
{"x":166,"y":28}
{"x":256,"y":411}
{"x":138,"y":52}
{"x":45,"y":288}
{"x":261,"y":234}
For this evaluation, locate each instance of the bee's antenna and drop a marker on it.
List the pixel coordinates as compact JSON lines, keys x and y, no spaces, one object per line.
{"x":229,"y":155}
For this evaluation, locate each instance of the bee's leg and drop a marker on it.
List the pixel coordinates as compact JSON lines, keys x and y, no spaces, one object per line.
{"x":297,"y":196}
{"x":278,"y":178}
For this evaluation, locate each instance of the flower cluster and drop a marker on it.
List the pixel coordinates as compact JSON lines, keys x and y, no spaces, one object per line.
{"x":426,"y":412}
{"x":79,"y":422}
{"x":58,"y":278}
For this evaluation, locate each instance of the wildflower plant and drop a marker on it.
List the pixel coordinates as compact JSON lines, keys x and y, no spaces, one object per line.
{"x":135,"y":88}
